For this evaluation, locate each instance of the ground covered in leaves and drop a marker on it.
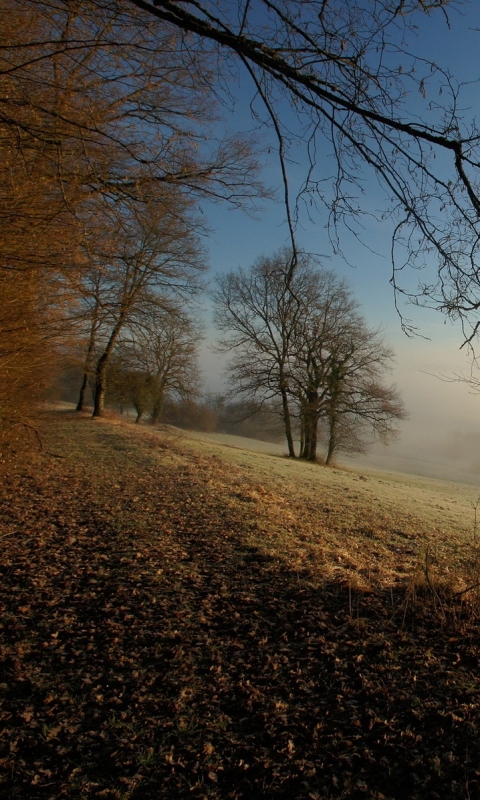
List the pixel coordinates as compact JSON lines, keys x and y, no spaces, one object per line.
{"x":156,"y":644}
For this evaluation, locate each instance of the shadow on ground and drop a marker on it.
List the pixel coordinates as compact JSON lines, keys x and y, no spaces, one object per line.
{"x":149,"y":652}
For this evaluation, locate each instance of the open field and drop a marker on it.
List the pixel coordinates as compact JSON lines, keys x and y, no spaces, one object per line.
{"x":185,"y":619}
{"x":383,"y":458}
{"x":445,"y":506}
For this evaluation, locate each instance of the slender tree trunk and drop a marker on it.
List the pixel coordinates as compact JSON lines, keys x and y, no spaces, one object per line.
{"x":302,"y":434}
{"x":83,"y":389}
{"x":101,"y":371}
{"x":310,"y":425}
{"x":305,"y":433}
{"x":88,"y":360}
{"x":332,"y":435}
{"x":288,"y":424}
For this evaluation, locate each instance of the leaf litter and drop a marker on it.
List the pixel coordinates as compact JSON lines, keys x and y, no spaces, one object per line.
{"x":172,"y":628}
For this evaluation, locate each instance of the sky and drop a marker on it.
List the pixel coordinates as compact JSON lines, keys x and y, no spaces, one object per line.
{"x":443,"y":427}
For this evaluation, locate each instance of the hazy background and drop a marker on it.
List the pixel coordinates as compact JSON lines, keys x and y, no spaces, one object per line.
{"x":441,"y":437}
{"x":442,"y":434}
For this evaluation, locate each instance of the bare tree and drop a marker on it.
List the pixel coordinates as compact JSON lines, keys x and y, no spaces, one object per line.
{"x":324,"y":335}
{"x":257,"y":311}
{"x":358,"y":403}
{"x":307,"y":346}
{"x":337,"y":372}
{"x":128,"y":386}
{"x":153,"y":260}
{"x":95,"y":288}
{"x":157,"y":360}
{"x":172,"y":352}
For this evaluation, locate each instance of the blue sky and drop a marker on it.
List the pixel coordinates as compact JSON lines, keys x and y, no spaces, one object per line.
{"x":237,"y":240}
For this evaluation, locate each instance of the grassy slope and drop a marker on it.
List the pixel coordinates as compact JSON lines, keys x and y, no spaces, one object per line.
{"x":185,"y":621}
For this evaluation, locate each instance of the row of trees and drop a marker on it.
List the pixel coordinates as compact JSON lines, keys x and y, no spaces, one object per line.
{"x":155,"y":363}
{"x":300,"y":345}
{"x":102,"y":165}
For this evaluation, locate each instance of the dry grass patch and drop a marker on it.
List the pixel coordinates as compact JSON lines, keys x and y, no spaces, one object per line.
{"x":366,"y":529}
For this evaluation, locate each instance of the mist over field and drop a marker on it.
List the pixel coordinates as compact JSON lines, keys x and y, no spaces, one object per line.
{"x":441,"y":436}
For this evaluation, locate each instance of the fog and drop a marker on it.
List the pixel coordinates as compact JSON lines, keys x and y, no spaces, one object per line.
{"x":441,"y":437}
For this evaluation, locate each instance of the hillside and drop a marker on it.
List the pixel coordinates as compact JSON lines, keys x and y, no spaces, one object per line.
{"x":185,"y":619}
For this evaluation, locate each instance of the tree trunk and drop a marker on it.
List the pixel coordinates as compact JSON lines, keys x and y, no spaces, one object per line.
{"x":83,"y":389}
{"x":310,"y":448}
{"x":88,"y":361}
{"x":156,"y":416}
{"x":332,"y":437}
{"x":310,"y":425}
{"x":157,"y":409}
{"x":335,"y":395}
{"x":288,"y":424}
{"x":102,"y":366}
{"x":100,"y":386}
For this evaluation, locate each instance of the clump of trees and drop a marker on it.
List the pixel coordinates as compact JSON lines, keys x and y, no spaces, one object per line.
{"x":241,"y":417}
{"x":155,"y":365}
{"x":300,"y":344}
{"x":191,"y":414}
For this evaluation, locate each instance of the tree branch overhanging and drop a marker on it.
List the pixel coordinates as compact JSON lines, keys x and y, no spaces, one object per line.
{"x":329,"y":70}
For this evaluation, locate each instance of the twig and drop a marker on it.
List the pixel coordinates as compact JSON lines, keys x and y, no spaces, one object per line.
{"x":38,"y":438}
{"x":32,"y":428}
{"x":464,"y":591}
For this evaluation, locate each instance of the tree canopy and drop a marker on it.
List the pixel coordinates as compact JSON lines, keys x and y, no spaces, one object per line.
{"x":347,"y":71}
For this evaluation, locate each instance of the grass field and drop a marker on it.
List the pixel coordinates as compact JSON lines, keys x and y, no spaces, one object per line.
{"x":182,"y":618}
